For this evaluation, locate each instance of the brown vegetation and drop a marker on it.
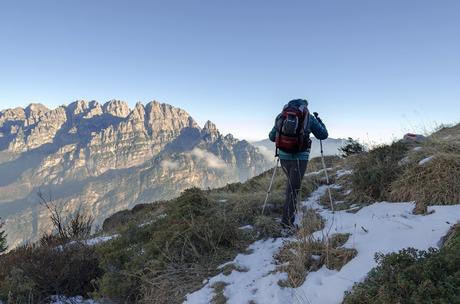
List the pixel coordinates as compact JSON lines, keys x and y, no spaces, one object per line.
{"x":306,"y":253}
{"x":437,"y":182}
{"x":58,"y":264}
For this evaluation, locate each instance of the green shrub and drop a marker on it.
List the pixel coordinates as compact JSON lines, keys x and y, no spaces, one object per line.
{"x":412,"y":276}
{"x":161,"y":262}
{"x":373,"y":172}
{"x":33,"y":273}
{"x":59,"y":264}
{"x":351,"y":147}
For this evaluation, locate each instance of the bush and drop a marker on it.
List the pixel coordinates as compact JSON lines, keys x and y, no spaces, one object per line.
{"x":412,"y":276}
{"x":352,"y":147}
{"x":75,"y":227}
{"x":373,"y":172}
{"x":59,"y":264}
{"x":33,"y":273}
{"x":161,"y":262}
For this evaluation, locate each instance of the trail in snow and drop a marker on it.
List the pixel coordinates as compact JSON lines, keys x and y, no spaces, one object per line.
{"x":381,"y":227}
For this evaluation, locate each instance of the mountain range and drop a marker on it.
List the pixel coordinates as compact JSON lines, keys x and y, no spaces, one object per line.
{"x":105,"y":158}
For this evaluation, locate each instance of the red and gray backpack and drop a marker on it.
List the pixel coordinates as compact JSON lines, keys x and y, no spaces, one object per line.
{"x":292,"y":129}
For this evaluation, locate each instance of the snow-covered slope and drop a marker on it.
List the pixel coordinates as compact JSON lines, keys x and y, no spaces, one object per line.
{"x":381,"y":227}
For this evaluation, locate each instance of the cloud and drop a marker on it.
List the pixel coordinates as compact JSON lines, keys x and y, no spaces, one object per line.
{"x":268,"y":154}
{"x":210,"y":159}
{"x":169,"y":164}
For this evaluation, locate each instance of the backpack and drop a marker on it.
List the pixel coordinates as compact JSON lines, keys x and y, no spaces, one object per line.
{"x":292,"y":129}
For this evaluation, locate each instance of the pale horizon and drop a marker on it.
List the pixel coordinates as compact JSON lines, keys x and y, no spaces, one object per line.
{"x":412,"y":124}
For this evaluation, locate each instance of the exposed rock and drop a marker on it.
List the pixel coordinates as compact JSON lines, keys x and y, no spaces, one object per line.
{"x":107,"y":158}
{"x":413,"y":138}
{"x":116,"y":108}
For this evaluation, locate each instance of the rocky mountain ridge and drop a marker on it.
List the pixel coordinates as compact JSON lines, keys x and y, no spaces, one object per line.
{"x":104,"y":158}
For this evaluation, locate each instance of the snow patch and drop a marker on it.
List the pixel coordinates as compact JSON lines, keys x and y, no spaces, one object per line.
{"x":381,"y":227}
{"x":100,"y":239}
{"x":318,"y":172}
{"x":247,"y":227}
{"x":259,"y":283}
{"x":341,"y":173}
{"x":425,"y":160}
{"x":71,"y":300}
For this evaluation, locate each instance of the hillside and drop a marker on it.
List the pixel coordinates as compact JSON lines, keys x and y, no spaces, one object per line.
{"x":399,"y":201}
{"x":105,"y":158}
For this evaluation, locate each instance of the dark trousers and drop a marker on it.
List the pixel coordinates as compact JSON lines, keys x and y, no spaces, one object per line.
{"x":294,"y":170}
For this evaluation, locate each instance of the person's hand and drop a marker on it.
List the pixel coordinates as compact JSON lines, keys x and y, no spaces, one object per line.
{"x":317,"y":117}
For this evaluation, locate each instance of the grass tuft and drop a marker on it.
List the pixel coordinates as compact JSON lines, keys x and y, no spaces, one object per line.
{"x":435,"y":182}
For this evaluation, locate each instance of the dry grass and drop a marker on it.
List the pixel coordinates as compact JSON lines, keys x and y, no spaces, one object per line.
{"x":219,"y":297}
{"x":311,"y":222}
{"x":331,"y":161}
{"x":448,"y":135}
{"x":228,"y":268}
{"x":170,"y":284}
{"x":300,"y":257}
{"x":452,"y":234}
{"x":266,"y":227}
{"x":435,"y":182}
{"x":306,"y":254}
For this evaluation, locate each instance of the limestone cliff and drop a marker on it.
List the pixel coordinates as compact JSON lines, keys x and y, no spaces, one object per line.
{"x":104,"y":158}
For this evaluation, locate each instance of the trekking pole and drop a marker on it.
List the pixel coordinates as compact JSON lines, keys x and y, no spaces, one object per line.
{"x":329,"y":193}
{"x":270,"y":186}
{"x":327,"y":176}
{"x":325,"y":169}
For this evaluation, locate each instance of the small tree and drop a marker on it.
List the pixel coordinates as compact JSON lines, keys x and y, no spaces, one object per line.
{"x":73,"y":227}
{"x":3,"y":245}
{"x":351,"y":147}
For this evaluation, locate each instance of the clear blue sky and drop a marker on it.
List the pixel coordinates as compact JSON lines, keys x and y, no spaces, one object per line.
{"x":373,"y":69}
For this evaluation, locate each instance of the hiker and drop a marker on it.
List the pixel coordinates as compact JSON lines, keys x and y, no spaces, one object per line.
{"x":291,"y":135}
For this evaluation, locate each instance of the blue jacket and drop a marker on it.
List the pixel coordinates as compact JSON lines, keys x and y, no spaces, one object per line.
{"x":316,"y":127}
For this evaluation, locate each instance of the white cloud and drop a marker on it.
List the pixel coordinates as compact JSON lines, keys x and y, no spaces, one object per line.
{"x":210,"y":159}
{"x":268,"y":154}
{"x":169,"y":164}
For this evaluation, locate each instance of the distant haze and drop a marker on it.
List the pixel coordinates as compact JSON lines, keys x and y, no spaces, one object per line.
{"x":330,"y":147}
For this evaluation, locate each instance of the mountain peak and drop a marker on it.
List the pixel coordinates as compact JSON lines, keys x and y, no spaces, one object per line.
{"x":138,"y":113}
{"x":117,"y":108}
{"x":78,"y":107}
{"x":210,"y":127}
{"x":210,"y":131}
{"x":36,"y":107}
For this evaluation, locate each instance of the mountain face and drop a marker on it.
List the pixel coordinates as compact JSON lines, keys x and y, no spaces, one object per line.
{"x":105,"y":158}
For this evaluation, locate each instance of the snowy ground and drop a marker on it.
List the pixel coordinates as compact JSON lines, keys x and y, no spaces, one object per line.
{"x":71,"y":300}
{"x":381,"y":227}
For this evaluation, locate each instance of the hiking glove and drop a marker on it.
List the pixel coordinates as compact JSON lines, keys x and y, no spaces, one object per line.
{"x":317,"y":117}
